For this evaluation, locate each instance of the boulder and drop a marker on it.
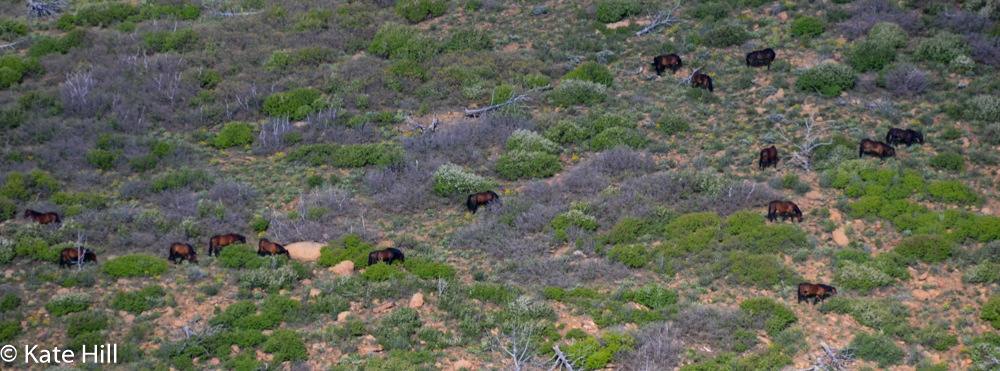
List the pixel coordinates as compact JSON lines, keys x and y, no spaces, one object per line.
{"x":840,"y":237}
{"x":417,"y":301}
{"x":460,"y":364}
{"x":921,"y":295}
{"x":343,"y":268}
{"x":304,"y":251}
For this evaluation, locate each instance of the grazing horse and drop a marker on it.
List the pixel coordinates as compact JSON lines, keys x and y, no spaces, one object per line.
{"x":700,"y":79}
{"x":266,"y":247}
{"x":761,"y":58}
{"x":873,"y":148}
{"x":768,"y":157}
{"x":818,"y":290}
{"x":481,"y":199}
{"x":671,"y":61}
{"x":182,"y":251}
{"x":388,"y":255}
{"x":896,"y":136}
{"x":217,"y":242}
{"x":70,"y":256}
{"x":42,"y":218}
{"x":783,"y":209}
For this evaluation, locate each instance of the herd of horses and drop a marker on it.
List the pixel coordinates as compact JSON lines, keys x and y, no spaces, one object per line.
{"x":755,"y":58}
{"x":769,"y":155}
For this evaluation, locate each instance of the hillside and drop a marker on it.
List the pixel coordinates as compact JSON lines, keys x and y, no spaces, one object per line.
{"x":631,"y":226}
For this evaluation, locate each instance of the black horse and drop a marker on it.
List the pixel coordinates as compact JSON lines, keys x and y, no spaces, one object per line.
{"x":907,"y":136}
{"x":761,"y":58}
{"x":388,"y":255}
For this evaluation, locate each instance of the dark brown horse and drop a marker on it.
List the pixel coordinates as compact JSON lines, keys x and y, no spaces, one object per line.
{"x":217,"y":242}
{"x":42,"y":218}
{"x":182,"y":251}
{"x":700,"y":79}
{"x":768,"y":157}
{"x":783,"y":209}
{"x":481,"y":199}
{"x":817,"y":290}
{"x":759,"y":58}
{"x":896,"y":136}
{"x":266,"y":247}
{"x":873,"y":148}
{"x":671,"y":61}
{"x":69,"y":256}
{"x":388,"y":255}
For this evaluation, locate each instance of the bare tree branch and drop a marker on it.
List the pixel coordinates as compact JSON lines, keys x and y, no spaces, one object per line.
{"x":428,"y":129}
{"x":516,"y":344}
{"x":518,"y":99}
{"x":660,"y":19}
{"x":44,"y":9}
{"x":688,"y":79}
{"x":629,"y":73}
{"x":810,"y":141}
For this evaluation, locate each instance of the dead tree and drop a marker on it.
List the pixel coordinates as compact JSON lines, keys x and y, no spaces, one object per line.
{"x":424,"y":130}
{"x":513,"y":101}
{"x":832,"y":359}
{"x":560,"y":360}
{"x":515,"y":344}
{"x":808,"y":143}
{"x":80,"y":251}
{"x":661,"y":18}
{"x":688,"y":79}
{"x":44,"y":9}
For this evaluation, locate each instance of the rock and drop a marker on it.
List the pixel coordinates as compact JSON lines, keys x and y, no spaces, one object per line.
{"x":178,"y":323}
{"x":343,"y":268}
{"x":840,"y":237}
{"x":580,"y":254}
{"x":314,"y":292}
{"x":129,"y":318}
{"x":921,"y":295}
{"x":317,"y":346}
{"x":267,"y":332}
{"x":306,"y":282}
{"x":62,"y":291}
{"x":213,"y":361}
{"x":383,"y":307}
{"x":342,"y":316}
{"x":783,"y":16}
{"x":304,"y":251}
{"x":814,"y":195}
{"x":417,"y":301}
{"x":760,"y":110}
{"x":923,"y":276}
{"x":235,"y":348}
{"x":985,"y":211}
{"x":365,"y":349}
{"x":835,"y":215}
{"x":460,"y":364}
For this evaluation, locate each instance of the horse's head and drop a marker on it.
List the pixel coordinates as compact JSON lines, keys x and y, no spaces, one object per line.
{"x":920,"y":137}
{"x":29,"y":213}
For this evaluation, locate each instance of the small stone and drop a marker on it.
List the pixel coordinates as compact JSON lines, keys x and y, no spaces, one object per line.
{"x":178,"y":323}
{"x":314,"y":292}
{"x":129,"y":318}
{"x":460,"y":364}
{"x":921,"y":295}
{"x":539,"y":10}
{"x":417,"y":301}
{"x":342,"y":316}
{"x":267,"y":332}
{"x":840,"y":237}
{"x":814,"y":195}
{"x":213,"y":361}
{"x":343,"y":268}
{"x":383,"y":307}
{"x":580,"y":254}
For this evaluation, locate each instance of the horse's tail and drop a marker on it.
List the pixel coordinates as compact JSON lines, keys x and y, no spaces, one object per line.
{"x":800,"y":296}
{"x":469,"y":204}
{"x":710,"y":88}
{"x":496,"y":197}
{"x":888,"y":136}
{"x":57,"y":219}
{"x":760,"y":161}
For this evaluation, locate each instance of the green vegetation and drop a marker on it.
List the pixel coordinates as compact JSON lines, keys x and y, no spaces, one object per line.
{"x":135,"y":265}
{"x":828,"y":79}
{"x":808,"y":26}
{"x":235,"y":134}
{"x":451,"y":179}
{"x":726,"y":35}
{"x":515,"y":165}
{"x":877,"y":348}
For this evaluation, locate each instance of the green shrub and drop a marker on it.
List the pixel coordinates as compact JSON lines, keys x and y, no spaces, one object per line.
{"x":382,"y":272}
{"x":575,"y":218}
{"x":9,"y":330}
{"x":948,"y":161}
{"x":936,"y":337}
{"x":954,"y":192}
{"x":135,"y":265}
{"x":609,"y":11}
{"x":348,"y":248}
{"x":63,"y":304}
{"x":828,"y":79}
{"x":450,"y":179}
{"x":985,"y":272}
{"x":565,"y":132}
{"x":618,"y":136}
{"x":610,"y":120}
{"x":861,"y":277}
{"x":990,"y":311}
{"x":102,"y":159}
{"x":870,"y":55}
{"x":428,"y":269}
{"x":941,"y":48}
{"x":270,"y":279}
{"x":417,"y":10}
{"x":981,"y":107}
{"x":85,"y":322}
{"x":139,"y":301}
{"x":235,"y":134}
{"x":574,"y":92}
{"x":62,"y":45}
{"x":167,"y":41}
{"x":778,"y":316}
{"x":210,"y":79}
{"x":890,"y":34}
{"x":470,"y":39}
{"x":711,"y":11}
{"x":808,"y":26}
{"x":515,"y":165}
{"x":692,"y":232}
{"x":748,"y":231}
{"x":361,"y":155}
{"x":761,"y":270}
{"x":106,"y":13}
{"x":36,"y":248}
{"x":633,"y":256}
{"x":627,"y":230}
{"x":726,"y":35}
{"x":290,"y":104}
{"x":591,"y":72}
{"x":529,"y":141}
{"x":285,"y":345}
{"x":397,"y":41}
{"x":9,"y":302}
{"x":877,"y":348}
{"x":92,"y":340}
{"x":14,"y":188}
{"x":197,"y":179}
{"x":671,"y":125}
{"x":653,"y":296}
